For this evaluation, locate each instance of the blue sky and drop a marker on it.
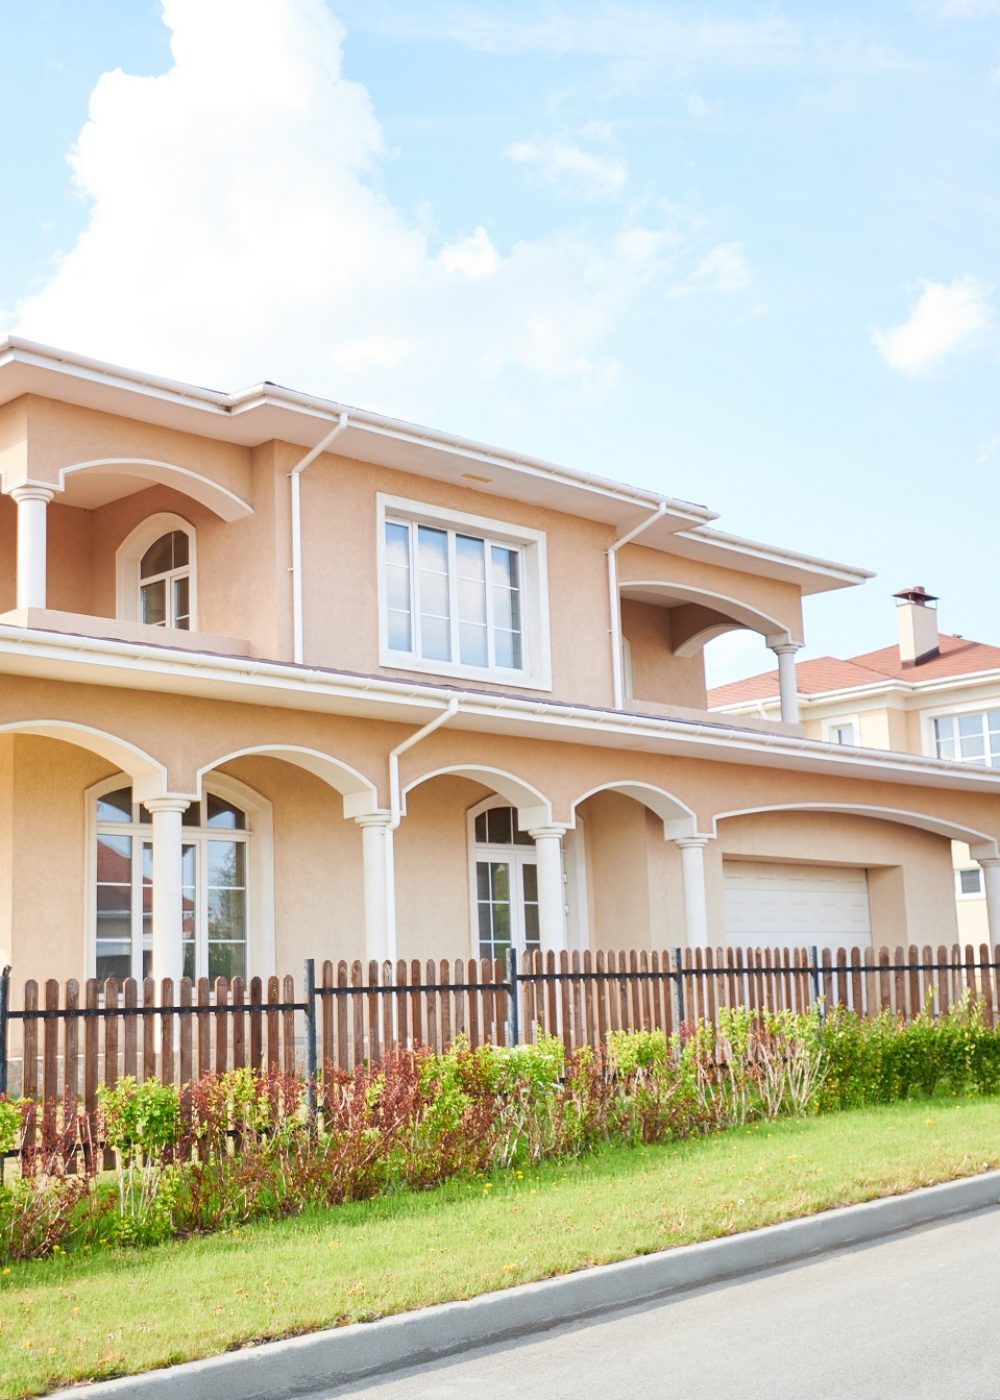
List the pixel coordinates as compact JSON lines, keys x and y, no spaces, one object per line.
{"x":746,"y":255}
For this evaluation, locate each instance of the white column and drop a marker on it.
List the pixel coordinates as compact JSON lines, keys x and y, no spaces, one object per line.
{"x":32,"y":506}
{"x":168,"y":899}
{"x":551,"y":888}
{"x":377,"y":868}
{"x":787,"y":688}
{"x":991,"y":887}
{"x":692,"y":849}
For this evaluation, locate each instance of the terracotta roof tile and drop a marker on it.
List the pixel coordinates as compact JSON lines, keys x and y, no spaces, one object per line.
{"x":957,"y":656}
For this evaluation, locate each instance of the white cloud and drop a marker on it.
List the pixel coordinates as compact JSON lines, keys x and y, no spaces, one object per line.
{"x":238,"y":231}
{"x":561,"y":162}
{"x":944,"y":317}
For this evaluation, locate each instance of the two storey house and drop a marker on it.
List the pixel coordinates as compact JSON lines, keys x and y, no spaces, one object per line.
{"x":280,"y":678}
{"x":926,"y":693}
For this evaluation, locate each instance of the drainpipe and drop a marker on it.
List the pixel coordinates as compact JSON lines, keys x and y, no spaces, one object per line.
{"x":395,"y":816}
{"x":395,"y":803}
{"x":615,"y":601}
{"x":296,"y":569}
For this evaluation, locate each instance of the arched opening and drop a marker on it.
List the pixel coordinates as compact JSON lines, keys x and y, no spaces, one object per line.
{"x":626,"y":870}
{"x":666,"y":628}
{"x":102,"y":480}
{"x":837,"y":874}
{"x":359,"y":794}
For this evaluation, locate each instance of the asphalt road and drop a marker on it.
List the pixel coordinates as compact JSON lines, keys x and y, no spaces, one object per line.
{"x":915,"y":1315}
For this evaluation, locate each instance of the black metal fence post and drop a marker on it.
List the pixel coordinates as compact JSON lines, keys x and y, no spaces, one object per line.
{"x":310,"y":1014}
{"x":679,"y":988}
{"x":4,"y":1015}
{"x":515,"y":1009}
{"x":817,"y":988}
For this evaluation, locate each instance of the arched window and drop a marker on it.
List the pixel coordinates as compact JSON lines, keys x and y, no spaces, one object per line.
{"x":504,"y":879}
{"x":156,"y":573}
{"x":216,"y":855}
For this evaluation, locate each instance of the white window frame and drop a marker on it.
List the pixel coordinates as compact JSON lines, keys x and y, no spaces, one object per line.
{"x":830,"y":726}
{"x":969,"y":894}
{"x":975,"y":707}
{"x":535,"y":673}
{"x":515,"y":855}
{"x":129,"y":557}
{"x":260,"y":864}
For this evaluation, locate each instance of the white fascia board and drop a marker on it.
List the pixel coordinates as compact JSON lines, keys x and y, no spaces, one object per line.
{"x":83,"y":660}
{"x":814,"y":575}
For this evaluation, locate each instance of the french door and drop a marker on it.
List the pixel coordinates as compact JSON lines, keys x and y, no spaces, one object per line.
{"x":505,"y":898}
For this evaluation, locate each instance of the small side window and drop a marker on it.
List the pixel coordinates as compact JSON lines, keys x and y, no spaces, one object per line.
{"x":157,"y":574}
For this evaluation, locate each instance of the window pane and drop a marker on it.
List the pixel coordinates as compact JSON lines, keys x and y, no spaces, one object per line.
{"x":182,"y":609}
{"x":188,"y":968}
{"x":432,"y":550}
{"x":222,"y":814}
{"x":970,"y":725}
{"x":227,"y":960}
{"x":503,"y":566}
{"x":153,"y":603}
{"x":158,"y":558}
{"x":498,"y":825}
{"x":435,"y":636}
{"x":481,"y":827}
{"x":180,"y":543}
{"x":507,"y":649}
{"x":470,"y":557}
{"x":115,"y":806}
{"x":397,"y":545}
{"x":532,"y":937}
{"x":434,"y":595}
{"x":226,"y":914}
{"x":969,"y":881}
{"x":399,"y":632}
{"x":398,"y":589}
{"x":226,"y":864}
{"x":521,"y":838}
{"x":114,"y":959}
{"x":114,"y":859}
{"x":471,"y":601}
{"x":993,"y":721}
{"x":472,"y":644}
{"x":529,"y":882}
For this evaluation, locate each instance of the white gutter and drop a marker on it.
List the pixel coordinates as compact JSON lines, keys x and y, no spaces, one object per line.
{"x":618,"y":698}
{"x":296,"y":569}
{"x":159,"y":663}
{"x":395,"y":802}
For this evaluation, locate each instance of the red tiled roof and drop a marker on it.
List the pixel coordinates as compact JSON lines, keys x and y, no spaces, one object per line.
{"x":956,"y":657}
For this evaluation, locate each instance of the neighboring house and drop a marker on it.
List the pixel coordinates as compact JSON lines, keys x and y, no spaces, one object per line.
{"x":929,"y":694}
{"x":280,"y":678}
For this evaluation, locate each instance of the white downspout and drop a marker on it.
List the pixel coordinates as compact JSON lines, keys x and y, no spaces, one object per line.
{"x":615,"y":601}
{"x":395,"y":802}
{"x":396,"y":813}
{"x":296,"y":569}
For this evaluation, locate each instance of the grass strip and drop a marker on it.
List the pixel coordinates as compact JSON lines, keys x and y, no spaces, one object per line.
{"x":92,"y":1316}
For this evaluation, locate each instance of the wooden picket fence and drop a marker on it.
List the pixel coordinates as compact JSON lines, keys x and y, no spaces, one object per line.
{"x":60,"y":1042}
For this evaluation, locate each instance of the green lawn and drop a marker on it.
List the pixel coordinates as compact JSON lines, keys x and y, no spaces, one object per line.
{"x":90,"y":1316}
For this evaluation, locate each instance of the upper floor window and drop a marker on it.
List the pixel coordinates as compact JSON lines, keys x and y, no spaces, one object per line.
{"x":843,"y":733}
{"x":971,"y":738}
{"x":165,"y":582}
{"x":461,"y":595}
{"x":157,"y":575}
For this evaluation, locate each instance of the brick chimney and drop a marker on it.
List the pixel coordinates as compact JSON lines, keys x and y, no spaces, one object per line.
{"x":918,"y":625}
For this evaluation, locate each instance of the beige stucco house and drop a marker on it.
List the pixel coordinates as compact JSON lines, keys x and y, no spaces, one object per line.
{"x":928,"y":693}
{"x":280,"y":678}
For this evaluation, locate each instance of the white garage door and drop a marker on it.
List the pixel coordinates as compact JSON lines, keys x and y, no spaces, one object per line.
{"x":768,"y":904}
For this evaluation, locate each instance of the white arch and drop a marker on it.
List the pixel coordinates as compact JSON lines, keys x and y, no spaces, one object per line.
{"x":149,"y":776}
{"x":742,"y":614}
{"x":982,"y":845}
{"x":359,"y":793}
{"x":532,"y":808}
{"x":678,"y":819}
{"x":216,"y":497}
